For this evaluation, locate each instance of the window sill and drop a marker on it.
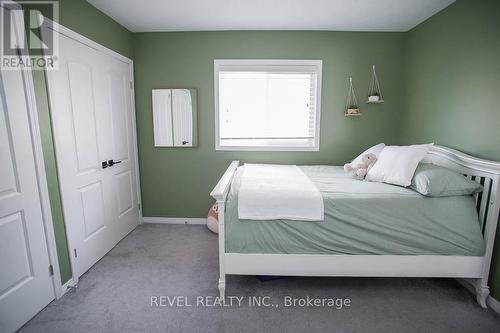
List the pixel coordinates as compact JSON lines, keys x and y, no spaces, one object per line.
{"x":268,"y":148}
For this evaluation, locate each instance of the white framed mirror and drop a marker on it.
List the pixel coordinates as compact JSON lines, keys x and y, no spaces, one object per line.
{"x":174,"y":117}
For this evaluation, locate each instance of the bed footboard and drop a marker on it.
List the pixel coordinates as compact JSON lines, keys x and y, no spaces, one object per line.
{"x":219,"y":193}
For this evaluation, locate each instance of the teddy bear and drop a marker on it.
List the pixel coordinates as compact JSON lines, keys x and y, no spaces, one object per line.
{"x":360,"y":170}
{"x":213,"y":218}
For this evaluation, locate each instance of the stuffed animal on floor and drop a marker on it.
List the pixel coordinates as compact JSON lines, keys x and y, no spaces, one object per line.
{"x":360,"y":170}
{"x":213,"y":218}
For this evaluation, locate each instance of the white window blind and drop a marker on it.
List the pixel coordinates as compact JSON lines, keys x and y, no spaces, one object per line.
{"x":268,"y":106}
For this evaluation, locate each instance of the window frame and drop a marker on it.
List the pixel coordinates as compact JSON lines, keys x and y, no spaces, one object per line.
{"x":315,"y":66}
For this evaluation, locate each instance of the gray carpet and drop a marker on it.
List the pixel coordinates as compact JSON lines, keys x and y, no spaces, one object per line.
{"x":115,"y":295}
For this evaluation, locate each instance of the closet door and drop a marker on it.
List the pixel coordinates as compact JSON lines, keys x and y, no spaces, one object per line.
{"x":125,"y":212}
{"x":25,"y":279}
{"x":90,"y":101}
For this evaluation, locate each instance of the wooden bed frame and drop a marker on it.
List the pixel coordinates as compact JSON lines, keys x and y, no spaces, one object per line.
{"x":474,"y":269}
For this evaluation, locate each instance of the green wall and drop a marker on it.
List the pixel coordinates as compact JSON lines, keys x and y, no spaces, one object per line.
{"x":85,"y":19}
{"x":453,"y":85}
{"x":453,"y":79}
{"x":176,"y":182}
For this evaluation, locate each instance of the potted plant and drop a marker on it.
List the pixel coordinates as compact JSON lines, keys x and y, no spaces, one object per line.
{"x":374,"y":97}
{"x":353,"y":109}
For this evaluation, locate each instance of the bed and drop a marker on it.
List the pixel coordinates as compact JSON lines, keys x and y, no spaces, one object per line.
{"x":369,"y":229}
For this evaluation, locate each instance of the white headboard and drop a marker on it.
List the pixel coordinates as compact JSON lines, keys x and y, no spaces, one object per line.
{"x":485,"y":172}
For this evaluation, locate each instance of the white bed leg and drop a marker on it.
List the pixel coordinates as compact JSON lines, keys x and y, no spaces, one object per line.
{"x":222,"y":264}
{"x":482,"y":292}
{"x":222,"y":287}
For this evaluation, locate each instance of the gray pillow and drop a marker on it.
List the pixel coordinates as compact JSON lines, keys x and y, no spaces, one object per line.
{"x":435,"y":181}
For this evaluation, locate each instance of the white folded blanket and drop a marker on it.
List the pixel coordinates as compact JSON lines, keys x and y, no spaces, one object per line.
{"x":270,"y":192}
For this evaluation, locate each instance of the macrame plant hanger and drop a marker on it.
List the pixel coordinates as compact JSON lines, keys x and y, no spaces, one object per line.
{"x":374,"y":92}
{"x":352,"y":108}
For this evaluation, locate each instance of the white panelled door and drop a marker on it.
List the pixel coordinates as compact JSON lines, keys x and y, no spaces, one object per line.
{"x":123,"y":175}
{"x":25,"y":282}
{"x":92,"y":116}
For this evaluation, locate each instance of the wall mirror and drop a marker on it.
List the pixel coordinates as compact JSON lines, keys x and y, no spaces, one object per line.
{"x":174,"y":117}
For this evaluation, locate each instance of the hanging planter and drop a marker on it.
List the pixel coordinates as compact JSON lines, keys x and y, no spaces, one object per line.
{"x":375,"y":97}
{"x":352,"y":108}
{"x":374,"y":92}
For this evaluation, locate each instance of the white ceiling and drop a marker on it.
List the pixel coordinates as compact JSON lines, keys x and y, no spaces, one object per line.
{"x":199,"y":15}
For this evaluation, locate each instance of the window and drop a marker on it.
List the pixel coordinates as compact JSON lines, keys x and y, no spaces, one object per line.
{"x":267,"y":104}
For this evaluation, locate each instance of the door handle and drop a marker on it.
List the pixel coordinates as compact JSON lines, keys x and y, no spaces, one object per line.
{"x":111,"y":162}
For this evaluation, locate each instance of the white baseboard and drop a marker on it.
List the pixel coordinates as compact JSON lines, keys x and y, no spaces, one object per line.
{"x":65,"y":287}
{"x":490,"y":301}
{"x":175,"y":220}
{"x":493,"y":304}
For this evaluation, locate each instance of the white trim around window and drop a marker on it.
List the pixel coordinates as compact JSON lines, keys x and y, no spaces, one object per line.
{"x":273,"y":67}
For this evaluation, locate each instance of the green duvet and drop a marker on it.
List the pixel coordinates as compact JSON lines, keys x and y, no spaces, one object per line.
{"x":361,"y":218}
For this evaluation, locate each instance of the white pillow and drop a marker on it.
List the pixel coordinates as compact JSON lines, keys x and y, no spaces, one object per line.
{"x":373,"y":150}
{"x":397,"y":164}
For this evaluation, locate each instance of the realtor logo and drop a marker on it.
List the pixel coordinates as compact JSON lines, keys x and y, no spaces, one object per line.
{"x":27,"y":37}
